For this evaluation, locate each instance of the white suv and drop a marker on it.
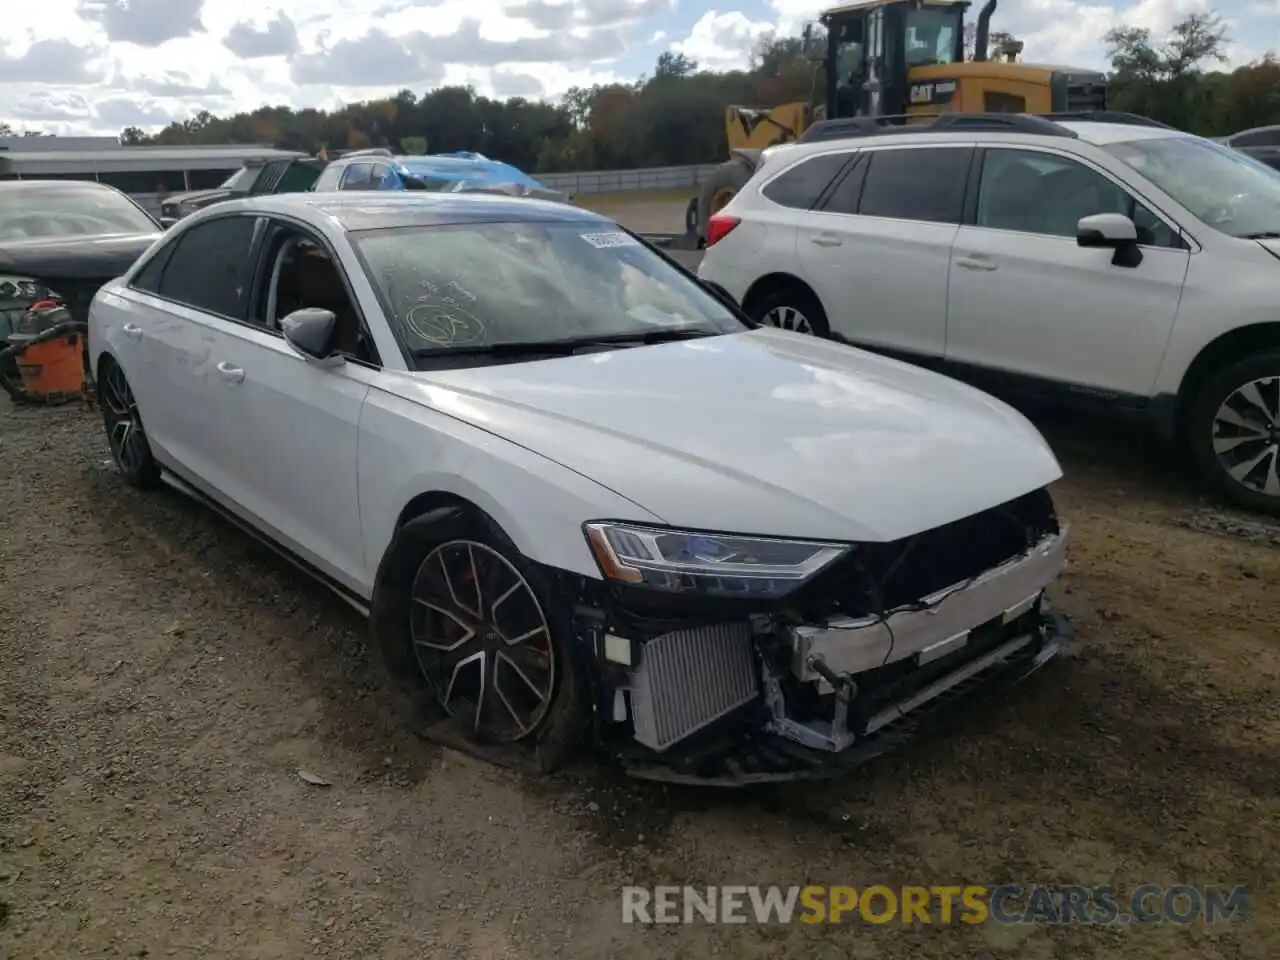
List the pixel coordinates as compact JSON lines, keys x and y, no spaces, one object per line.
{"x":1105,"y":262}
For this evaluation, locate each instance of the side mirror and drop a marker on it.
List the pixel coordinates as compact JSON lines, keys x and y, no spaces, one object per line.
{"x":1106,"y":230}
{"x":167,"y":222}
{"x":1112,"y":231}
{"x":309,"y":332}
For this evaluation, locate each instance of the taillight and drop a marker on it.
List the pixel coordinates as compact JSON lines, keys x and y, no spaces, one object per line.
{"x":718,"y":227}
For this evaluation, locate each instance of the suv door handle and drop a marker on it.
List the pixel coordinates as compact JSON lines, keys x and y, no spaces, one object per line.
{"x":230,"y":372}
{"x":132,"y":331}
{"x":826,"y":240}
{"x":975,"y":263}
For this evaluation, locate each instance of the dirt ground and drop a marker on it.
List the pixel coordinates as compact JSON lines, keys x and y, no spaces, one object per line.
{"x":166,"y":681}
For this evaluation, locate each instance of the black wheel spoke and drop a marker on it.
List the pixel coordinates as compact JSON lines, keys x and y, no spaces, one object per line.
{"x":125,"y":433}
{"x":482,"y":641}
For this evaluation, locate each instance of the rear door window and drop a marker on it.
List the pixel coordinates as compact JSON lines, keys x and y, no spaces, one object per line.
{"x":916,"y":183}
{"x":847,"y":192}
{"x":209,"y":268}
{"x":803,"y":184}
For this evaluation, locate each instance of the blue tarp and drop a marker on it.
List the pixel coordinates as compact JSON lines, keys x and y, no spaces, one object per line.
{"x":470,"y":169}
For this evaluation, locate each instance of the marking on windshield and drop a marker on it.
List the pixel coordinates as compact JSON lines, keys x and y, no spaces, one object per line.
{"x":606,"y":241}
{"x":445,"y":324}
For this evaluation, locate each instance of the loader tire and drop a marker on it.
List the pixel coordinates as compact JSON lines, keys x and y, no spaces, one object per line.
{"x":725,"y":181}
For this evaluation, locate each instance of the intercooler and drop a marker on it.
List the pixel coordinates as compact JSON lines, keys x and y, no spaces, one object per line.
{"x":689,"y":679}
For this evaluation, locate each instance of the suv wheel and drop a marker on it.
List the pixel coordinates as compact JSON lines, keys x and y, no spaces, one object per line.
{"x":793,"y":307}
{"x":1234,"y":431}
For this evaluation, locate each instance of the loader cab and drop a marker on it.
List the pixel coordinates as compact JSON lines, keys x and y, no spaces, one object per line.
{"x":872,"y":45}
{"x":906,"y":59}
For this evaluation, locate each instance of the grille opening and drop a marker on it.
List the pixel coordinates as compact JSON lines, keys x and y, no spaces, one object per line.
{"x":877,"y":578}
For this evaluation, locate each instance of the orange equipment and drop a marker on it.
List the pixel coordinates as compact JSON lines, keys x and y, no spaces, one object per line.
{"x":44,"y":361}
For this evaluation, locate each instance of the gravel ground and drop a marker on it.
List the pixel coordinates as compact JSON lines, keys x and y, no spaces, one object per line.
{"x":167,"y":681}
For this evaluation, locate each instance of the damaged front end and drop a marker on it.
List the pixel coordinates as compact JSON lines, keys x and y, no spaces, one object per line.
{"x":707,"y":672}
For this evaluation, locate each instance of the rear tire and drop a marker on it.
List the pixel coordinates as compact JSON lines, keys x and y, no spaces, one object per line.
{"x":506,"y":677}
{"x":718,"y":189}
{"x":791,"y":307}
{"x":1233,"y":432}
{"x":125,"y":434}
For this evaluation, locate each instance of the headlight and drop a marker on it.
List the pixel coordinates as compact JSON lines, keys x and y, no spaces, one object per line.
{"x":721,"y":565}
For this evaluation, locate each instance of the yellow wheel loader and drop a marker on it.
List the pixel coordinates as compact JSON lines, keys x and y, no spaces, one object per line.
{"x":902,"y":61}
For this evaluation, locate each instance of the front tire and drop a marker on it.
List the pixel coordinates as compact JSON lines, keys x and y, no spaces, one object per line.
{"x":1233,"y":432}
{"x":792,"y":307}
{"x":470,"y":629}
{"x":125,"y":433}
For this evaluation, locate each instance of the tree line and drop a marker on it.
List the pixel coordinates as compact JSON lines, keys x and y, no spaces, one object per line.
{"x":676,"y":115}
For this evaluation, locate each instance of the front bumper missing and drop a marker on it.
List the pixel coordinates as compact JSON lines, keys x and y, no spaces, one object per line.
{"x":848,"y":690}
{"x":744,"y":757}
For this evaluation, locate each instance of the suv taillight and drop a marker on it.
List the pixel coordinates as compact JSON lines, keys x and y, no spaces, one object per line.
{"x":718,"y":228}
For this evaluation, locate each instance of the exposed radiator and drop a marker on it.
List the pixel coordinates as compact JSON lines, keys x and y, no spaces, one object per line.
{"x":689,"y":679}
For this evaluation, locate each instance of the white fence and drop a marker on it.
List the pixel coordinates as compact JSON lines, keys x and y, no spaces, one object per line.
{"x":624,"y":181}
{"x":584,"y":182}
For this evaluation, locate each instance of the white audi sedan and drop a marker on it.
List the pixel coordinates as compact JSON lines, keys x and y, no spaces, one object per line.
{"x":582,"y":499}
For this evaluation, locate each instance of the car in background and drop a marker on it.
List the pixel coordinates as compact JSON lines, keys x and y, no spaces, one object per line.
{"x":61,"y":240}
{"x":257,"y":176}
{"x":581,"y":497}
{"x":1261,"y":143}
{"x":1129,"y":267}
{"x":379,"y":169}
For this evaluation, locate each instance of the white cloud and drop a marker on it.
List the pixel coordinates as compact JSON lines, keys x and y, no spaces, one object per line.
{"x":723,"y":41}
{"x":82,"y":65}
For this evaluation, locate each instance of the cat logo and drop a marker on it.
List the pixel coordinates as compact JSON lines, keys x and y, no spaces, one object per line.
{"x":933,"y":92}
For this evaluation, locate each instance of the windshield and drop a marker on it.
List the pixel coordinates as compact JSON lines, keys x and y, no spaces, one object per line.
{"x":70,"y":210}
{"x":1222,"y":187}
{"x":471,"y":286}
{"x":931,"y":36}
{"x":242,"y":179}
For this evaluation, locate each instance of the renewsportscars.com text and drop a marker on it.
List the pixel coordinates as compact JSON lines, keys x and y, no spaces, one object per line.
{"x":973,"y":904}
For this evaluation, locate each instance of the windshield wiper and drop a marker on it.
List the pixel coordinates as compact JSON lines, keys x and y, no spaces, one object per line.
{"x":562,"y":348}
{"x":1261,"y":235}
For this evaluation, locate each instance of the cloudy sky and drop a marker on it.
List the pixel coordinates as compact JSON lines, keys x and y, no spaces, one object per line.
{"x":79,"y":66}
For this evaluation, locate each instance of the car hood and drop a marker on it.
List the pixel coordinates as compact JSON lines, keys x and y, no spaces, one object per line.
{"x":762,"y":432}
{"x":75,"y":258}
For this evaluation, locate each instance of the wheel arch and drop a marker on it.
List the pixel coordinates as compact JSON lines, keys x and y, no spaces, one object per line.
{"x":1225,"y":349}
{"x":769,"y":283}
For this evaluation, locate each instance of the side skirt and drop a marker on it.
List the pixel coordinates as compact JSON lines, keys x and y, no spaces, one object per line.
{"x":353,"y":600}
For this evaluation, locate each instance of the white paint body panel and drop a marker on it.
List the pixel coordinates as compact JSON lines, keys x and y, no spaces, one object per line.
{"x":1040,"y":306}
{"x":760,"y":433}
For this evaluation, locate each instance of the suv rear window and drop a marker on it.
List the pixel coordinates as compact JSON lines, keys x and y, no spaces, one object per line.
{"x":921,"y":183}
{"x":802,"y":185}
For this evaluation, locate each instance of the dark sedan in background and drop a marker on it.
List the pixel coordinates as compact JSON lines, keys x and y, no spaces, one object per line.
{"x":65,"y":239}
{"x":62,"y":240}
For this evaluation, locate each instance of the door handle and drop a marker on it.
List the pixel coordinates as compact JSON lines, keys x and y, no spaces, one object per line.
{"x":230,"y":372}
{"x":826,"y":240}
{"x":132,"y":331}
{"x":975,"y":263}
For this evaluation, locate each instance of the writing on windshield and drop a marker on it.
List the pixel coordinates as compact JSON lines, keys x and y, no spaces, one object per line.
{"x":485,"y":284}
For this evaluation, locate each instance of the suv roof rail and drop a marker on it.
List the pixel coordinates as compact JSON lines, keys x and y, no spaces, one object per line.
{"x":897,"y":123}
{"x":371,"y":152}
{"x":1110,"y":116}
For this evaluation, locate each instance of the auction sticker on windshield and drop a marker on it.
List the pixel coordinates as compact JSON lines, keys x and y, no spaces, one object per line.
{"x":605,"y":241}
